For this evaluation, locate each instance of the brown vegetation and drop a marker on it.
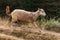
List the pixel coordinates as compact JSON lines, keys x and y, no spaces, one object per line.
{"x":25,"y":33}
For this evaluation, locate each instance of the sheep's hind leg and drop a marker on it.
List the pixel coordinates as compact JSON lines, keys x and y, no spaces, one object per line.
{"x":13,"y":21}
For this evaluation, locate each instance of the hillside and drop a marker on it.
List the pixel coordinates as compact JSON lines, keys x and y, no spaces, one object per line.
{"x":26,"y":33}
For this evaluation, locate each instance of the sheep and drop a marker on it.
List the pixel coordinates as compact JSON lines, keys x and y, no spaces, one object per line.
{"x":26,"y":16}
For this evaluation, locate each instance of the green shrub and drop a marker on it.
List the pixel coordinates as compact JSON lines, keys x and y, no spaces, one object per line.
{"x":52,"y":24}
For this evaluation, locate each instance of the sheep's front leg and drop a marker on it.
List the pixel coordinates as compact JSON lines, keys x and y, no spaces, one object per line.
{"x":30,"y":24}
{"x":35,"y":25}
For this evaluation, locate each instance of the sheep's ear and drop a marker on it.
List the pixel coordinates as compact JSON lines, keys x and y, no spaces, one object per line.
{"x":39,"y":9}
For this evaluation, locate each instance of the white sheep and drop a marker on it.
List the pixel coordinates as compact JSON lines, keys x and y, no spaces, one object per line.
{"x":26,"y":16}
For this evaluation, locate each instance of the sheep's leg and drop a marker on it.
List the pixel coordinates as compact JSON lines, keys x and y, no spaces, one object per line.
{"x":35,"y":25}
{"x":13,"y":20}
{"x":30,"y":25}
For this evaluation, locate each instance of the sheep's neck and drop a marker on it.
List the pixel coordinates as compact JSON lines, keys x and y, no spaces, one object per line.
{"x":36,"y":15}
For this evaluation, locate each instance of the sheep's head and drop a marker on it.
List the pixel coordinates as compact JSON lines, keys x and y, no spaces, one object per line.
{"x":41,"y":12}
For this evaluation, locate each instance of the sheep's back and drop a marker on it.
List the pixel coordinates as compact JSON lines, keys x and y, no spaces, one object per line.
{"x":22,"y":15}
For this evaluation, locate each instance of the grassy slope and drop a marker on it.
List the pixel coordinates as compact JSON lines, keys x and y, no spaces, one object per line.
{"x":17,"y":33}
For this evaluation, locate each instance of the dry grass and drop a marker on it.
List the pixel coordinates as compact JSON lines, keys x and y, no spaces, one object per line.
{"x":8,"y":37}
{"x":25,"y":33}
{"x":4,"y":21}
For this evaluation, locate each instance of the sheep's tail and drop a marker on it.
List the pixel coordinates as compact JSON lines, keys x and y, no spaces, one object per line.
{"x":8,"y":10}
